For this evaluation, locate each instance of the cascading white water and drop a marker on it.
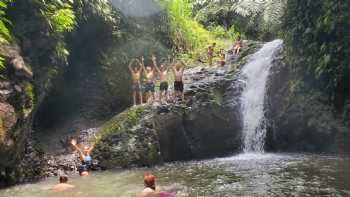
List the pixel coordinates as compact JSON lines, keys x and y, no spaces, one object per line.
{"x":254,"y":76}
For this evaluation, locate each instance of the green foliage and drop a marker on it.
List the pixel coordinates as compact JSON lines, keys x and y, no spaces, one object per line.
{"x":5,"y":35}
{"x":317,"y":36}
{"x":256,"y":18}
{"x":29,"y":93}
{"x":61,"y":18}
{"x":190,"y":38}
{"x":186,"y":32}
{"x":123,"y":121}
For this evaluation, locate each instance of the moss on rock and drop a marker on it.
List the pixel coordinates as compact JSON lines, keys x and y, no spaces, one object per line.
{"x":128,"y":139}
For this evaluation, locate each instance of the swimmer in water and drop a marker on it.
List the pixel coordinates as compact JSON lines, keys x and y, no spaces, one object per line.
{"x":63,"y":185}
{"x":86,"y":159}
{"x":150,"y":188}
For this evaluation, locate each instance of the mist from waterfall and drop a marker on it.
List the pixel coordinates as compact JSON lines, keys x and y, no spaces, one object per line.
{"x":254,"y":76}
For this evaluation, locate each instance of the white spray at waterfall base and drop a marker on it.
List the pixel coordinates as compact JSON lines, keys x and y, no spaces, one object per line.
{"x":254,"y":76}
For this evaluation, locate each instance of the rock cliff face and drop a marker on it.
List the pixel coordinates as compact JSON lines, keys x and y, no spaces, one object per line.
{"x":16,"y":105}
{"x":301,"y":119}
{"x":206,"y":125}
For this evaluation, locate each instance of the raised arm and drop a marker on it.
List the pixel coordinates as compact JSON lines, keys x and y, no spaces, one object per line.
{"x":92,"y":146}
{"x":143,"y":65}
{"x":182,"y":69}
{"x":173,"y":67}
{"x":74,"y":144}
{"x":154,"y":60}
{"x":130,"y":66}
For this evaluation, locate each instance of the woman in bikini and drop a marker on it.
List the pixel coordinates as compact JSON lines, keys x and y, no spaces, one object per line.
{"x":85,"y":157}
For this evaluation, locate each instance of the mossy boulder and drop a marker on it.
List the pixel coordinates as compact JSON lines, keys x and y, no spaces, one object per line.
{"x":128,"y":139}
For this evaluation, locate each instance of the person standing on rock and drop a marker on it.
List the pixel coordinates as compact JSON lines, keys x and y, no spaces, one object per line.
{"x":136,"y":79}
{"x":211,"y":51}
{"x":237,"y":45}
{"x":85,"y":156}
{"x":149,"y":87}
{"x":163,"y":76}
{"x":63,"y":185}
{"x":178,"y":70}
{"x":222,"y":57}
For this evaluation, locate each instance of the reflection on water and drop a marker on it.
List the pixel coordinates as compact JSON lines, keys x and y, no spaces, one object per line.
{"x":241,"y":175}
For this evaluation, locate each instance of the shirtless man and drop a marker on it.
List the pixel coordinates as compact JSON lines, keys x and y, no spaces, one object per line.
{"x":163,"y":73}
{"x":237,"y":45}
{"x":222,"y":57}
{"x":178,"y":70}
{"x":63,"y":185}
{"x":136,"y":83}
{"x":149,"y":74}
{"x":211,"y":50}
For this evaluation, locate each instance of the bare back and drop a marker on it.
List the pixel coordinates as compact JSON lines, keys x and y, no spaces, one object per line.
{"x":62,"y":187}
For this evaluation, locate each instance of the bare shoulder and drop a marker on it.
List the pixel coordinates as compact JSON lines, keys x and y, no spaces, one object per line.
{"x":147,"y":192}
{"x":62,"y":187}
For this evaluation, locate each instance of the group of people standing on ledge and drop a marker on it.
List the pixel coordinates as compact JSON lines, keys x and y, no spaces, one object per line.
{"x":221,"y":53}
{"x":144,"y":81}
{"x":144,"y":77}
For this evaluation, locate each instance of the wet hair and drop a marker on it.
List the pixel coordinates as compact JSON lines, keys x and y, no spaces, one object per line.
{"x":63,"y":179}
{"x":149,"y":180}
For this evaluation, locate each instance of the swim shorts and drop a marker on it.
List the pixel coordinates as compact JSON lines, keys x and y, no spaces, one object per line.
{"x":136,"y":87}
{"x":164,"y":86}
{"x":149,"y":87}
{"x":179,"y":86}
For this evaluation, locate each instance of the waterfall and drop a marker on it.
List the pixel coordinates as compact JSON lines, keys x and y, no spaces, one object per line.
{"x":254,"y":76}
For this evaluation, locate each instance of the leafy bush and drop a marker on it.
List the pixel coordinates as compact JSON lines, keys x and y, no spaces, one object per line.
{"x":258,"y":19}
{"x":61,"y":18}
{"x":187,"y":33}
{"x":317,"y":34}
{"x":5,"y":35}
{"x":190,"y":38}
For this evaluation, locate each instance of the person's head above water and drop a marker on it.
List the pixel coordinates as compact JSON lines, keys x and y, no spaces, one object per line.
{"x":214,"y":44}
{"x":149,"y":180}
{"x":63,"y":179}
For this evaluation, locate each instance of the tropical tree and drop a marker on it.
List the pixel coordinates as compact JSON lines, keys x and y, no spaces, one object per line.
{"x":249,"y":16}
